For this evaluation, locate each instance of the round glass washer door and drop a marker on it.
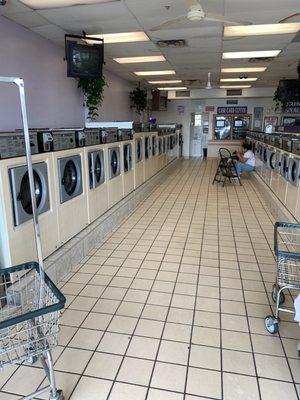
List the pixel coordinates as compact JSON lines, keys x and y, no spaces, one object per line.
{"x":70,"y":177}
{"x":138,"y":149}
{"x":24,"y":195}
{"x":114,"y":162}
{"x":98,"y":168}
{"x":273,"y":161}
{"x":293,"y":173}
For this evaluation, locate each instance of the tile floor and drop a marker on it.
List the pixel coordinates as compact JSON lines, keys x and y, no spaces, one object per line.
{"x":171,"y":306}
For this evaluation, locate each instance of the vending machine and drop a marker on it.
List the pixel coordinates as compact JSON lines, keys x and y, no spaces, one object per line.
{"x":222,"y":127}
{"x":241,"y":124}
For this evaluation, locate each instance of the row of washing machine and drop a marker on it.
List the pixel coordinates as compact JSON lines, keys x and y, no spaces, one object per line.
{"x":281,"y":172}
{"x":78,"y":174}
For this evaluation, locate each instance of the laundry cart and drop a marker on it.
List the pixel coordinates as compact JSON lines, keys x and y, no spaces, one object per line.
{"x":30,"y":303}
{"x":287,"y":252}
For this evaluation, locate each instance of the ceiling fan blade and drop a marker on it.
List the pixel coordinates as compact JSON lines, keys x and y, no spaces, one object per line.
{"x":48,"y":4}
{"x":192,"y":3}
{"x":228,"y":20}
{"x":169,"y":23}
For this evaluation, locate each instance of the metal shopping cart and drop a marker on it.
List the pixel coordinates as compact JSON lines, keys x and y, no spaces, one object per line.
{"x":287,"y":251}
{"x":30,"y":303}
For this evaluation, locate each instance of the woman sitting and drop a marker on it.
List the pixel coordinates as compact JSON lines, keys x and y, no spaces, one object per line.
{"x":246,"y":159}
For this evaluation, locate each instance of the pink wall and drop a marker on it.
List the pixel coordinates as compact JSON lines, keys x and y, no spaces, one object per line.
{"x":53,"y":99}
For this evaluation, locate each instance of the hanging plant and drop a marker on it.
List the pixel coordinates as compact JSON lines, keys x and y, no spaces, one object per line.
{"x":92,"y":89}
{"x":138,"y":98}
{"x":279,"y":104}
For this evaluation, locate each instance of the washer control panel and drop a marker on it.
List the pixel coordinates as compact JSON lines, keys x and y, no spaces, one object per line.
{"x":92,"y":137}
{"x":109,"y":135}
{"x":63,"y":140}
{"x":12,"y":144}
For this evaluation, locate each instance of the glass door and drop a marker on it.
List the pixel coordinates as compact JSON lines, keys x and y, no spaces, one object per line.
{"x":196,"y":132}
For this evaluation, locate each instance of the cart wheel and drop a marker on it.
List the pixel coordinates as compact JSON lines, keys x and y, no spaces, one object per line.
{"x":59,"y":396}
{"x":271,"y":324}
{"x":274,"y":295}
{"x":32,"y":360}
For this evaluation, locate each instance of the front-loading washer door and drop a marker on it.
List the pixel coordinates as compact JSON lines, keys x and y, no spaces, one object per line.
{"x":164,"y":145}
{"x":159,"y":146}
{"x":147,"y":147}
{"x":139,"y":150}
{"x":96,"y":168}
{"x":284,"y":165}
{"x":70,"y":177}
{"x":114,"y":162}
{"x":273,"y":160}
{"x":153,"y":145}
{"x":294,"y":171}
{"x":127,"y":157}
{"x":20,"y":189}
{"x":265,"y":154}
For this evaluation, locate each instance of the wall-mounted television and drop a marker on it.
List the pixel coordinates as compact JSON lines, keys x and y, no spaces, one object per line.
{"x":289,"y":90}
{"x":84,"y":60}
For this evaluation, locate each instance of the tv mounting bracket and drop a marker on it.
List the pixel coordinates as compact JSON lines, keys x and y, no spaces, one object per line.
{"x":80,"y":37}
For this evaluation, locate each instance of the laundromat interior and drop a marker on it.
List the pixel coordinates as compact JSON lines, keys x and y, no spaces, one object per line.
{"x":149,"y":200}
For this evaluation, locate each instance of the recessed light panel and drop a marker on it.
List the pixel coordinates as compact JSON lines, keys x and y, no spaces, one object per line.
{"x":132,"y":60}
{"x":266,"y":29}
{"x":40,"y":4}
{"x":165,"y":82}
{"x":241,"y":69}
{"x":125,"y":37}
{"x":173,"y":88}
{"x":235,"y":86}
{"x":238,"y":79}
{"x":149,"y":73}
{"x":250,"y":54}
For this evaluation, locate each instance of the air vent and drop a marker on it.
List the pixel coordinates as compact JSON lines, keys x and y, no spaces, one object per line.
{"x":234,"y":92}
{"x":182,"y":93}
{"x":263,"y":60}
{"x":173,"y":44}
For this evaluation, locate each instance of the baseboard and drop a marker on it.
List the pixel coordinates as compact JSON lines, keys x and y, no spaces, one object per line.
{"x":63,"y":261}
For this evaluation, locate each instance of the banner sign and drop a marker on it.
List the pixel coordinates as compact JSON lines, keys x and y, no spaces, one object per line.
{"x":232,"y":110}
{"x":292,"y":108}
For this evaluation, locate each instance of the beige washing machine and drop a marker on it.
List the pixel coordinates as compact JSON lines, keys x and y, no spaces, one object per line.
{"x":148,"y":156}
{"x":139,"y":159}
{"x":114,"y":173}
{"x":17,"y":242}
{"x":70,"y":184}
{"x":160,"y":162}
{"x":96,"y":179}
{"x":154,"y":145}
{"x":128,"y":160}
{"x":293,"y":178}
{"x":282,"y":177}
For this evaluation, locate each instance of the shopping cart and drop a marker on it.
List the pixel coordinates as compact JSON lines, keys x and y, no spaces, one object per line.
{"x":30,"y":303}
{"x":287,"y":252}
{"x":27,"y":331}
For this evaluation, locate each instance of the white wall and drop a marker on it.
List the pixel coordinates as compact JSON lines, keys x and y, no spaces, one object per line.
{"x":190,"y":106}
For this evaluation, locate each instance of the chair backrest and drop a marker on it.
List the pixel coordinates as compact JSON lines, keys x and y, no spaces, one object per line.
{"x":225,"y":154}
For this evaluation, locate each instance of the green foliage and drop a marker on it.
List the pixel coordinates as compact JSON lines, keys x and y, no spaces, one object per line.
{"x":138,"y":98}
{"x":93,"y":89}
{"x":280,"y":105}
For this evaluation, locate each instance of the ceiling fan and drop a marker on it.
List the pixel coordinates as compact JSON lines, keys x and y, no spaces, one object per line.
{"x":196,"y":13}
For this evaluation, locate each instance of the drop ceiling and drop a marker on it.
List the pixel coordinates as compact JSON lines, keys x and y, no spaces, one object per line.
{"x":205,"y":41}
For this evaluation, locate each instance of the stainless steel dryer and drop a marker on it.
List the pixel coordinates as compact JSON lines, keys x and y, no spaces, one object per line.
{"x":96,"y":168}
{"x":114,"y":162}
{"x":127,"y":157}
{"x":70,"y":177}
{"x":20,"y":191}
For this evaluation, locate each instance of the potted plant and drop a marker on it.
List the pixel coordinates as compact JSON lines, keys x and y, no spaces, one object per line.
{"x":138,"y":98}
{"x":280,"y":105}
{"x":92,"y":89}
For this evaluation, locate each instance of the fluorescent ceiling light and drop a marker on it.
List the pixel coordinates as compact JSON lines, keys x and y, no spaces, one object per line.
{"x":164,"y":82}
{"x":266,"y":29}
{"x":173,"y":88}
{"x":39,"y":4}
{"x":235,"y":86}
{"x":149,"y":73}
{"x":248,"y":69}
{"x":238,"y":79}
{"x":250,"y":54}
{"x":124,"y":37}
{"x":131,"y":60}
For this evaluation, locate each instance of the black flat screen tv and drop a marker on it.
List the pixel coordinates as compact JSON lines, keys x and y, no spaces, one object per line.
{"x":289,"y":90}
{"x":84,"y":61}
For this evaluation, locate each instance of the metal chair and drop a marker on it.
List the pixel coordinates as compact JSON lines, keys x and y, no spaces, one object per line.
{"x":226,"y":168}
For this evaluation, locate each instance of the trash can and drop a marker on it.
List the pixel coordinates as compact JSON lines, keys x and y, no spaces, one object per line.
{"x":205,"y":152}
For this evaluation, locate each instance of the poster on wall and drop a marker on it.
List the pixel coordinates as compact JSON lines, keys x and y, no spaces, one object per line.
{"x":270,"y":120}
{"x":232,"y":110}
{"x":258,"y":118}
{"x":180,"y":110}
{"x":293,"y":107}
{"x":209,"y":108}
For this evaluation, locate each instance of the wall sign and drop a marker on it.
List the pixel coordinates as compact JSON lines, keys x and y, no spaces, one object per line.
{"x":270,"y":120}
{"x":293,"y":107}
{"x":232,"y":110}
{"x":258,"y":117}
{"x":209,"y":108}
{"x":180,"y":110}
{"x":232,"y":101}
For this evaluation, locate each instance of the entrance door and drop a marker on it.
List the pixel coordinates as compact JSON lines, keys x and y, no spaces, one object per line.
{"x":196,"y":132}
